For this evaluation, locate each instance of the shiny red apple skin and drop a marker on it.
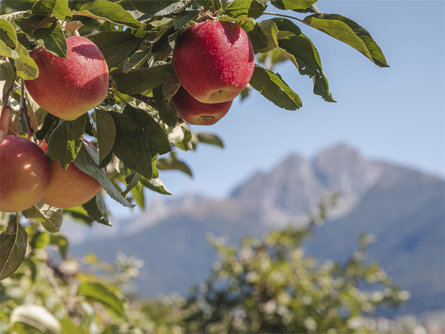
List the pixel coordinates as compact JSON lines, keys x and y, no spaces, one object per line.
{"x":214,"y":61}
{"x":25,"y":174}
{"x":69,"y":187}
{"x":68,"y":88}
{"x":194,"y":112}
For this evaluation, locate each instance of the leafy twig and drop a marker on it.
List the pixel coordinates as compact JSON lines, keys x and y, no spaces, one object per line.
{"x":24,"y":111}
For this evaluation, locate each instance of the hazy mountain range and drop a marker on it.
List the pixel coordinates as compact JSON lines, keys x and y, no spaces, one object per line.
{"x":402,"y":207}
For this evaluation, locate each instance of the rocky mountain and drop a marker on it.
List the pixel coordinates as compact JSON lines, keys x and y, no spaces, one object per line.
{"x":403,"y":208}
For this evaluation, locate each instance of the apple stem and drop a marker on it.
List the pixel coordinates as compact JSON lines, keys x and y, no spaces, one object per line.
{"x":213,"y":7}
{"x":24,"y":111}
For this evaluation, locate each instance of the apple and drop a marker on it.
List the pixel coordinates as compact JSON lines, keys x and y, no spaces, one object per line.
{"x":213,"y":61}
{"x":69,"y":187}
{"x":194,"y":112}
{"x":25,"y":174}
{"x":70,"y":87}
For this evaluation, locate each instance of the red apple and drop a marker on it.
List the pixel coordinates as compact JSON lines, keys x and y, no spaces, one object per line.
{"x":214,"y":61}
{"x":68,"y":88}
{"x":69,"y":187}
{"x":25,"y":174}
{"x":194,"y":112}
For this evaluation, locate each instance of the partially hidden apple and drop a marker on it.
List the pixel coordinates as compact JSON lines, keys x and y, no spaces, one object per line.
{"x":194,"y":112}
{"x":70,"y":87}
{"x":69,"y":187}
{"x":25,"y":174}
{"x":214,"y":61}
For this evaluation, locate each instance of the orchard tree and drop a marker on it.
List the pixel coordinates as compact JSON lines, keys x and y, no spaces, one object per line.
{"x":97,"y":95}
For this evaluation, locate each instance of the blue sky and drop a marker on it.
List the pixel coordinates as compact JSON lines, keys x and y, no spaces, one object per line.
{"x":395,"y":114}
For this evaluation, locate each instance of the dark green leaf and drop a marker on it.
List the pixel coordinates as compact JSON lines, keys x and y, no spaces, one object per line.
{"x":50,"y":217}
{"x":349,"y":32}
{"x":7,"y":33}
{"x":13,"y":243}
{"x":157,"y":7}
{"x":167,"y":111}
{"x":52,"y":39}
{"x":116,"y":46}
{"x":106,"y":133}
{"x":25,"y":65}
{"x":210,"y":138}
{"x":87,"y":161}
{"x":300,"y":50}
{"x":156,"y":185}
{"x":109,"y":11}
{"x":137,"y":81}
{"x":293,"y":4}
{"x":172,"y":163}
{"x":59,"y":8}
{"x":6,"y":77}
{"x":272,"y":87}
{"x":136,"y":59}
{"x":185,"y":18}
{"x":264,"y":36}
{"x":97,"y":210}
{"x":103,"y":294}
{"x":66,"y":140}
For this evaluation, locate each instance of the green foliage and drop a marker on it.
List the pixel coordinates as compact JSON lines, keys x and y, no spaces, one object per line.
{"x":262,"y":285}
{"x":137,"y":124}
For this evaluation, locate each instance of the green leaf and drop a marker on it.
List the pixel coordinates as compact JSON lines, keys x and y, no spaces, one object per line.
{"x":6,"y":76}
{"x":66,"y":140}
{"x":166,"y":109}
{"x":61,"y":242}
{"x":172,"y":163}
{"x":209,"y":138}
{"x":13,"y":243}
{"x":97,"y":210}
{"x":40,"y":240}
{"x":185,"y":18}
{"x":300,"y":50}
{"x":87,"y":160}
{"x":293,"y":4}
{"x":264,"y":36}
{"x":50,"y":217}
{"x":5,"y":51}
{"x":272,"y":87}
{"x":25,"y":65}
{"x":7,"y":33}
{"x":136,"y":59}
{"x":36,"y":316}
{"x":109,"y":11}
{"x":102,"y":293}
{"x":52,"y":39}
{"x":59,"y":8}
{"x":348,"y":32}
{"x":157,"y":7}
{"x":154,"y":135}
{"x":139,"y":80}
{"x":106,"y":133}
{"x":155,"y":184}
{"x":116,"y":46}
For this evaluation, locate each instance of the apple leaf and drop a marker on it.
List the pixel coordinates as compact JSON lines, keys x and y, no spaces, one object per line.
{"x":300,"y":50}
{"x":106,"y":133}
{"x":167,"y":111}
{"x":59,"y":8}
{"x":13,"y":243}
{"x":6,"y":76}
{"x":87,"y":160}
{"x":102,"y":293}
{"x":96,"y":209}
{"x":293,"y":4}
{"x":37,"y":317}
{"x":156,"y":185}
{"x":116,"y":46}
{"x":139,"y":80}
{"x":264,"y":36}
{"x":172,"y":163}
{"x":272,"y":87}
{"x":108,"y":11}
{"x":52,"y":39}
{"x":210,"y":139}
{"x":6,"y":51}
{"x":66,"y":140}
{"x":7,"y":33}
{"x":61,"y":242}
{"x":348,"y":32}
{"x":50,"y":217}
{"x":157,"y":7}
{"x":25,"y":65}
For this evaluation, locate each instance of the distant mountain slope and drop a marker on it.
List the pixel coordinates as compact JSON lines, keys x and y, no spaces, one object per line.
{"x":403,"y":208}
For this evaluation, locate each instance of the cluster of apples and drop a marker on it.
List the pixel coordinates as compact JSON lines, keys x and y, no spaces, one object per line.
{"x":213,"y":62}
{"x":67,"y":88}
